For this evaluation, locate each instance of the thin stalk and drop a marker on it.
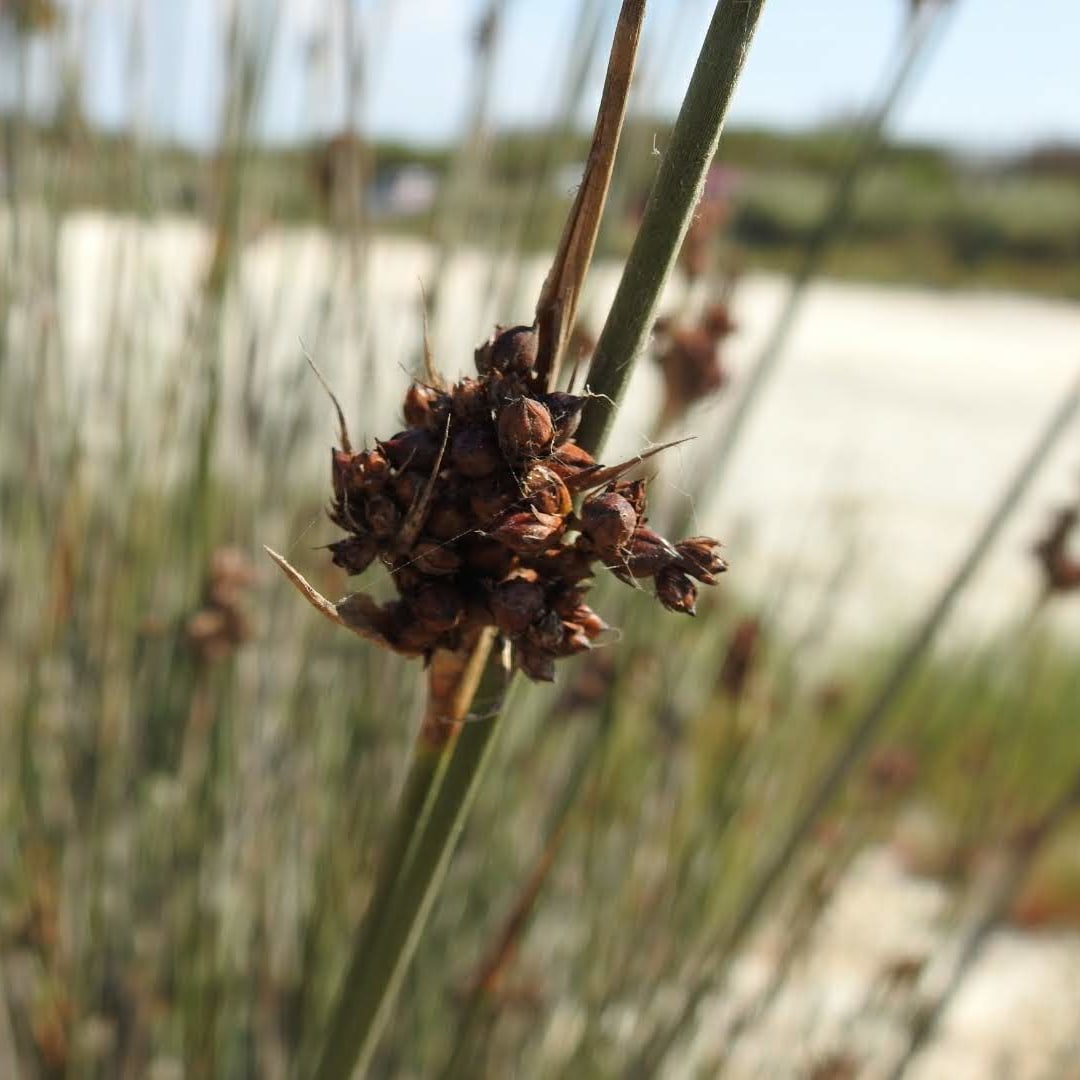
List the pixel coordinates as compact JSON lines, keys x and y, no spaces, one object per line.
{"x":675,"y":194}
{"x":714,"y":961}
{"x":387,"y":942}
{"x":918,"y":36}
{"x":479,"y":1005}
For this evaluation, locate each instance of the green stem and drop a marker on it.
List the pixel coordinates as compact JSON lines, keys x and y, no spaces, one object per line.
{"x":384,"y":947}
{"x":671,"y":204}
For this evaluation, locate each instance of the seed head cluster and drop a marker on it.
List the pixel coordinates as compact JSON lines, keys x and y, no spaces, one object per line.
{"x":472,"y":510}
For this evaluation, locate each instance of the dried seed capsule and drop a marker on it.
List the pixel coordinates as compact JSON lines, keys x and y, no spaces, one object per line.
{"x":358,"y":473}
{"x":438,"y":607}
{"x":699,"y":556}
{"x":474,"y":452}
{"x":469,"y":402}
{"x":354,"y":554}
{"x":425,"y":407}
{"x":634,"y":492}
{"x":514,"y":351}
{"x":569,"y":459}
{"x":566,"y":410}
{"x":535,"y":664}
{"x":574,"y":640}
{"x":675,"y":590}
{"x":486,"y":557}
{"x":407,"y":486}
{"x":516,"y":604}
{"x":566,"y":600}
{"x":645,"y":555}
{"x":546,"y":492}
{"x":547,"y":632}
{"x":447,"y":521}
{"x":528,"y":531}
{"x":525,"y":429}
{"x":566,"y":564}
{"x":413,"y":448}
{"x":431,"y":557}
{"x":591,"y":623}
{"x":608,"y":520}
{"x":414,"y":637}
{"x":491,"y":500}
{"x":383,"y":516}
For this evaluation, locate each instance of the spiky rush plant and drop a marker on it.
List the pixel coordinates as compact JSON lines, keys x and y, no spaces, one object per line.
{"x":472,"y":510}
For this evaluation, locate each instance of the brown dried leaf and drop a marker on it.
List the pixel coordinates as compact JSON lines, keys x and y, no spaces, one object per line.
{"x":558,"y":301}
{"x":356,"y":612}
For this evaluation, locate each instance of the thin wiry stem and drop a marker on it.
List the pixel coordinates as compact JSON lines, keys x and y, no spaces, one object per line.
{"x":714,"y":961}
{"x":435,"y":813}
{"x":671,"y":204}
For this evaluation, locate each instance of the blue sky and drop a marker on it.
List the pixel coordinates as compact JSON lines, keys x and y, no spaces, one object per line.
{"x":1004,"y":76}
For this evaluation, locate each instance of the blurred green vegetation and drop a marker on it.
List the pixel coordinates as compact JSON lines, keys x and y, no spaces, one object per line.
{"x":922,"y":213}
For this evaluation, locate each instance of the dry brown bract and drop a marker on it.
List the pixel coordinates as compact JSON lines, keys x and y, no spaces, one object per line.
{"x":221,"y":625}
{"x":471,"y":509}
{"x":689,"y":359}
{"x":1061,"y":572}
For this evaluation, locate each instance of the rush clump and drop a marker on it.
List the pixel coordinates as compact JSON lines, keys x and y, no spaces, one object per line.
{"x":471,"y":508}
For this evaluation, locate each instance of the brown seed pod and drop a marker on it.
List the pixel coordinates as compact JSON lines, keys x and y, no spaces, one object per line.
{"x":425,"y":407}
{"x":516,"y":604}
{"x":675,"y":590}
{"x":574,"y":640}
{"x":413,"y":448}
{"x":474,"y":452}
{"x":491,"y":500}
{"x":438,"y":606}
{"x":407,"y":486}
{"x":528,"y":532}
{"x":469,"y":403}
{"x":591,"y":624}
{"x":566,"y":410}
{"x":383,"y":516}
{"x":448,"y":520}
{"x":354,"y":554}
{"x":699,"y":556}
{"x":546,"y":492}
{"x":634,"y":492}
{"x":645,"y":555}
{"x":511,"y":351}
{"x":536,"y":665}
{"x":568,"y":565}
{"x":566,"y":600}
{"x":432,"y":557}
{"x":569,"y":459}
{"x":487,"y":557}
{"x":525,"y":429}
{"x":410,"y":635}
{"x":608,"y":520}
{"x":546,"y":633}
{"x":359,"y":473}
